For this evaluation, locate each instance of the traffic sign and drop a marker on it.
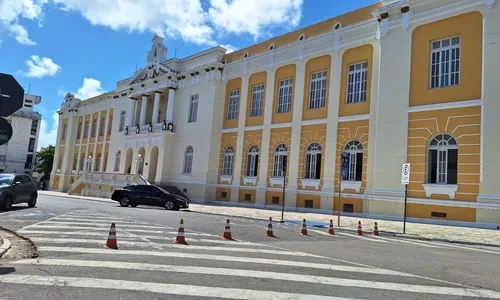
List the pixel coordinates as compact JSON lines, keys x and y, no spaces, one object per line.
{"x":11,"y":95}
{"x":5,"y":131}
{"x":405,"y":174}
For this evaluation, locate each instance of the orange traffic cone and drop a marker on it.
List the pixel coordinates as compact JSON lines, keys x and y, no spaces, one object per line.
{"x":330,"y":228}
{"x":303,"y":231}
{"x":359,"y":231}
{"x":227,"y":231}
{"x":111,"y":243}
{"x":180,"y":235}
{"x":375,"y":229}
{"x":269,"y":231}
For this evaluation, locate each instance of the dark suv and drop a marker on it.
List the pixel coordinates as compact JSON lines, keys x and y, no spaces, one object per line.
{"x":16,"y":188}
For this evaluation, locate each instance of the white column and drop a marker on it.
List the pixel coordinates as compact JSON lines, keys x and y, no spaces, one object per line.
{"x":170,"y":105}
{"x":130,"y":112}
{"x":144,"y":107}
{"x":80,"y":147}
{"x":68,"y":150}
{"x":94,"y":155}
{"x":156,"y":108}
{"x":108,"y":119}
{"x":56,"y":154}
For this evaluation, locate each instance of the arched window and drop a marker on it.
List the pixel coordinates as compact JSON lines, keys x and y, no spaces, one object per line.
{"x":352,"y":161}
{"x":75,"y":163}
{"x":227,"y":169}
{"x":59,"y":162}
{"x":313,"y":161}
{"x":280,"y":158}
{"x":117,"y":161}
{"x":82,"y":163}
{"x":188,"y":160}
{"x":252,"y":161}
{"x":442,"y":161}
{"x":97,"y":165}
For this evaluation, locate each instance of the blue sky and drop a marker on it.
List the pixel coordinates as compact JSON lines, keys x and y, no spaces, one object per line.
{"x":86,"y":46}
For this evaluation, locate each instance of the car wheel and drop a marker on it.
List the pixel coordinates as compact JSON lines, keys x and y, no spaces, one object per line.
{"x":7,"y":203}
{"x":169,"y":205}
{"x":32,"y":201}
{"x":134,"y":204}
{"x":124,"y":201}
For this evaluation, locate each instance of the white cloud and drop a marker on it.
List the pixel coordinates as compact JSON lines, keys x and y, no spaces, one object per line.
{"x":21,"y":35}
{"x":12,"y":10}
{"x":48,"y":135}
{"x":229,"y":48}
{"x":60,"y":91}
{"x":254,"y":17}
{"x":91,"y":87}
{"x":40,"y":67}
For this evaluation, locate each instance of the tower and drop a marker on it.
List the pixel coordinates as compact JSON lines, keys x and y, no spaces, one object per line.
{"x":158,"y":52}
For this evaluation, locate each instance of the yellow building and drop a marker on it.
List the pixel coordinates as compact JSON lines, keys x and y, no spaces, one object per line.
{"x":344,"y":102}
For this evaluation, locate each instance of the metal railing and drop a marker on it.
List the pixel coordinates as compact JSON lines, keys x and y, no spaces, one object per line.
{"x":149,"y":128}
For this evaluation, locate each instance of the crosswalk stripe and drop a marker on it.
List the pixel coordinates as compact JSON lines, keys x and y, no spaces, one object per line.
{"x":122,"y":233}
{"x":91,"y":228}
{"x":175,"y":246}
{"x":103,"y":224}
{"x":362,"y":237}
{"x":108,"y":219}
{"x":35,"y":233}
{"x":397,"y":241}
{"x":322,"y":232}
{"x":265,"y":261}
{"x":162,"y":288}
{"x":462,"y":247}
{"x":392,"y":286}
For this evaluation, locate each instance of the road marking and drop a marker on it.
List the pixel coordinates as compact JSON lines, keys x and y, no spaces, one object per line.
{"x":109,"y":219}
{"x":322,"y":232}
{"x":107,"y":224}
{"x":93,"y":228}
{"x":105,"y":230}
{"x":362,"y":237}
{"x":391,"y":286}
{"x":40,"y":234}
{"x":397,"y":241}
{"x":462,"y":247}
{"x":161,"y":288}
{"x":266,"y":261}
{"x":50,"y":240}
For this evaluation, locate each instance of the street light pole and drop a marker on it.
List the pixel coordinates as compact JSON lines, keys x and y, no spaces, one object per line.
{"x":138,"y":160}
{"x":90,"y":163}
{"x":283,"y":201}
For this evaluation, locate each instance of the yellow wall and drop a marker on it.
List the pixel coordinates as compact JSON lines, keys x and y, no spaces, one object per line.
{"x":228,"y":139}
{"x":233,"y":84}
{"x":452,"y":213}
{"x":349,"y":131}
{"x":311,"y":134}
{"x":110,"y":125}
{"x":279,"y":136}
{"x":255,"y":79}
{"x":462,"y":123}
{"x":79,"y":133}
{"x":252,"y":193}
{"x":301,"y":200}
{"x":270,"y":195}
{"x":346,"y":19}
{"x":64,"y":135}
{"x":55,"y":184}
{"x":251,"y":138}
{"x":218,"y":196}
{"x":470,"y":29}
{"x":352,"y":56}
{"x":314,"y":65}
{"x":284,"y":72}
{"x":357,"y":203}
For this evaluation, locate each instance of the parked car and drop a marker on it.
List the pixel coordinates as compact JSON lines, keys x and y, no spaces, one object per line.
{"x":134,"y":195}
{"x":16,"y":188}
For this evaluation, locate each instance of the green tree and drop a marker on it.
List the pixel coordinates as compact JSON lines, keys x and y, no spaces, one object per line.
{"x":45,"y":160}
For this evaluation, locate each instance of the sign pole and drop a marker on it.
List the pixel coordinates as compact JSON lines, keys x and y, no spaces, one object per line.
{"x":283,"y":202}
{"x":340,"y":195}
{"x":404,"y":217}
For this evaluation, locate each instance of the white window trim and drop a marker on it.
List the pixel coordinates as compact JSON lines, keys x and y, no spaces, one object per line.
{"x":188,"y":158}
{"x":351,"y":185}
{"x":441,"y":148}
{"x":278,"y":161}
{"x":257,"y":99}
{"x":233,"y":103}
{"x":309,"y":182}
{"x":317,"y":87}
{"x":359,"y":90}
{"x":193,"y":108}
{"x":123,"y":120}
{"x":118,"y":159}
{"x":351,"y":174}
{"x":440,"y":50}
{"x":312,"y":159}
{"x":227,"y":170}
{"x":252,"y":157}
{"x":286,"y":87}
{"x":441,"y":189}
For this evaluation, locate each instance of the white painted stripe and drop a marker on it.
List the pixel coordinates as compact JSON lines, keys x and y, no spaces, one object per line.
{"x":50,"y":240}
{"x":391,"y":286}
{"x":109,"y":219}
{"x":362,"y":237}
{"x":322,"y":232}
{"x":94,"y":228}
{"x":162,"y":288}
{"x":265,"y":261}
{"x":40,"y":234}
{"x":124,"y":233}
{"x":96,"y":224}
{"x":399,"y":241}
{"x":461,"y":247}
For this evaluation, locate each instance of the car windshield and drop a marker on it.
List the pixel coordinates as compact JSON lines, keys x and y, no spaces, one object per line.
{"x":5,"y":179}
{"x":163,"y":190}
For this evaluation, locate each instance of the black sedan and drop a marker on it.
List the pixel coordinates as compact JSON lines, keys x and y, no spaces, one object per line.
{"x":134,"y":195}
{"x":16,"y":188}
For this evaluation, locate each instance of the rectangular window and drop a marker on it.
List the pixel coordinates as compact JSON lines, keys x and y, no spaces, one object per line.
{"x":63,"y":134}
{"x":29,"y":161}
{"x":31,"y":146}
{"x":317,"y":93}
{"x":87,"y":129}
{"x":248,"y":197}
{"x":103,"y":127}
{"x":223,"y":195}
{"x":348,"y":207}
{"x":193,"y":108}
{"x":123,"y":116}
{"x":252,"y":165}
{"x":79,"y":133}
{"x":34,"y":127}
{"x":279,"y":165}
{"x":276,"y":200}
{"x":313,"y":166}
{"x":232,"y":110}
{"x":94,"y":128}
{"x":308,"y":204}
{"x":438,"y":214}
{"x":443,"y":166}
{"x":356,"y":82}
{"x":354,"y":166}
{"x":445,"y":62}
{"x":285,"y":95}
{"x":257,"y":96}
{"x":227,"y":169}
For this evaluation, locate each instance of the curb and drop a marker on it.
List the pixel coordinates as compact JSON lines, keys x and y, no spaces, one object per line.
{"x":76,"y":197}
{"x":5,"y":246}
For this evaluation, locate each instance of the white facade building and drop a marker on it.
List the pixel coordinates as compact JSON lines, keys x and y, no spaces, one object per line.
{"x":19,"y":154}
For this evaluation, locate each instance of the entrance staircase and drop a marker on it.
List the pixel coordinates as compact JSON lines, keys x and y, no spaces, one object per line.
{"x":103,"y":184}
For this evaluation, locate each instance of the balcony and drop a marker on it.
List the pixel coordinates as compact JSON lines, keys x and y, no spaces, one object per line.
{"x":166,"y":126}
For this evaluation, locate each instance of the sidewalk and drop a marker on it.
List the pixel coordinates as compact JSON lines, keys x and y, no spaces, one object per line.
{"x":416,"y":230}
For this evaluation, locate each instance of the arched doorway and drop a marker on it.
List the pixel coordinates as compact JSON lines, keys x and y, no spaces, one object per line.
{"x":128,"y":161}
{"x":153,"y":161}
{"x":140,"y":160}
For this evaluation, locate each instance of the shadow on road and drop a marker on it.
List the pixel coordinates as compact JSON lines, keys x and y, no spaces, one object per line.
{"x":14,"y":208}
{"x":7,"y":270}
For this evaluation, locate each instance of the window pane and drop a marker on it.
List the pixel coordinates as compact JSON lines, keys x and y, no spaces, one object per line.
{"x":452,"y":166}
{"x":359,"y":166}
{"x":432,"y":169}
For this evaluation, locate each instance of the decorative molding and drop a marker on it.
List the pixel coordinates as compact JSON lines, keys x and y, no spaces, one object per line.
{"x":351,"y":185}
{"x":228,"y":130}
{"x":224,"y":178}
{"x":406,"y":20}
{"x":441,"y":189}
{"x":354,"y":118}
{"x":490,"y":3}
{"x":448,"y":105}
{"x":276,"y":181}
{"x":257,"y":127}
{"x":305,"y":182}
{"x":314,"y":122}
{"x":270,"y":64}
{"x":251,"y":180}
{"x":488,"y":198}
{"x":336,"y":40}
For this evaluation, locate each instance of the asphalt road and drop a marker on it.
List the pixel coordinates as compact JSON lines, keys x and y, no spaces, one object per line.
{"x":73,"y":264}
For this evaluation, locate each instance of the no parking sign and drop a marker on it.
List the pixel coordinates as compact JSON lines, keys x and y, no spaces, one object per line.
{"x":405,"y":174}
